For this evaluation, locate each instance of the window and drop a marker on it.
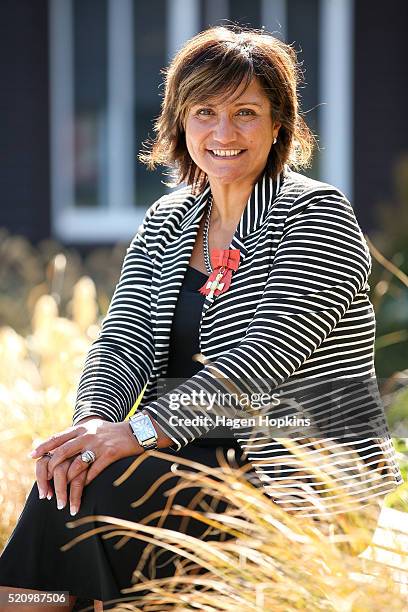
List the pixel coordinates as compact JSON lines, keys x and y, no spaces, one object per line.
{"x":103,"y":103}
{"x":105,"y":63}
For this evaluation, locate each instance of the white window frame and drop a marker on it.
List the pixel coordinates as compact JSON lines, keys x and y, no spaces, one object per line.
{"x":336,"y":93}
{"x":93,"y":224}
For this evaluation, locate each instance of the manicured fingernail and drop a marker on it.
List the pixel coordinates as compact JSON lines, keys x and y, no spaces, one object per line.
{"x":41,"y":494}
{"x":60,"y":505}
{"x":32,"y":454}
{"x":49,"y":495}
{"x":73,"y":510}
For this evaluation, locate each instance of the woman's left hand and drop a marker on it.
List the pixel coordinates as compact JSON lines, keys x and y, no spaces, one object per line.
{"x":109,"y":441}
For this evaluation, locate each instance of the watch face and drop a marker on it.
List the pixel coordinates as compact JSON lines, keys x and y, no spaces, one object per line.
{"x":143,"y":428}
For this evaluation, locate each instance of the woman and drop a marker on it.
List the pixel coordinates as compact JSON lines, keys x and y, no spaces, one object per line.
{"x":251,"y":278}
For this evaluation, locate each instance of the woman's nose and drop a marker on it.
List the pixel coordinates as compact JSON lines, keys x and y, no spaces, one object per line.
{"x":224,"y":130}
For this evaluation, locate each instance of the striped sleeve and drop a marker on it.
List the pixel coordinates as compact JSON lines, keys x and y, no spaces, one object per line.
{"x":119,"y":362}
{"x":321,"y":263}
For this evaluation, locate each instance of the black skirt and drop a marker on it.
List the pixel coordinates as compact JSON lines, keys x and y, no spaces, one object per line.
{"x":94,"y":568}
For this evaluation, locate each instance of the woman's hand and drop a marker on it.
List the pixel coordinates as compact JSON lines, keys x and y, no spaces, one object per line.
{"x":109,"y":441}
{"x":45,"y":488}
{"x":60,"y":483}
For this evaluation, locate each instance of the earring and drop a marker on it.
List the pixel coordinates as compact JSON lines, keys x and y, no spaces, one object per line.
{"x":274,"y":142}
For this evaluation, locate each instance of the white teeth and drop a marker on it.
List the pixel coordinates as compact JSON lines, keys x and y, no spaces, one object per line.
{"x":224,"y":153}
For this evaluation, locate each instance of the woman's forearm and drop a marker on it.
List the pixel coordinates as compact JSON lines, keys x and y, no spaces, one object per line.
{"x":89,"y":418}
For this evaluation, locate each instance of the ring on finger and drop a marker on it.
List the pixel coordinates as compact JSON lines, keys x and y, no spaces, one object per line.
{"x":88,"y":456}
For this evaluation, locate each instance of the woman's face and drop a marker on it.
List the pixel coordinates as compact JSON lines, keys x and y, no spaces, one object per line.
{"x":243,"y":127}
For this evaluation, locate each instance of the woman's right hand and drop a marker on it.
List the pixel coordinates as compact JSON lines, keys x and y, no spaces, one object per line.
{"x":60,"y":478}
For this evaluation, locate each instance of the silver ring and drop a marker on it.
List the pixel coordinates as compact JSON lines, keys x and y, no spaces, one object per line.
{"x":88,"y":456}
{"x":47,"y":454}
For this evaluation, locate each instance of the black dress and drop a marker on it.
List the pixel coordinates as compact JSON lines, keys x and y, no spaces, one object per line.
{"x":93,"y":568}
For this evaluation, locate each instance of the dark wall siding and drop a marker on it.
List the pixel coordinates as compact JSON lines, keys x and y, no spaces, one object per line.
{"x":381,"y":101}
{"x":24,"y":112}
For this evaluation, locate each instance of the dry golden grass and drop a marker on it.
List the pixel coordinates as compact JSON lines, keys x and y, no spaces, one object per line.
{"x":39,"y":375}
{"x":271,"y":561}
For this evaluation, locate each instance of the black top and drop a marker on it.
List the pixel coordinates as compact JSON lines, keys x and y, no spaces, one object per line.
{"x":184,"y":339}
{"x":184,"y":343}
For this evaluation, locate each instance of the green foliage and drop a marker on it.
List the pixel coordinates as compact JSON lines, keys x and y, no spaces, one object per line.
{"x":389,"y":292}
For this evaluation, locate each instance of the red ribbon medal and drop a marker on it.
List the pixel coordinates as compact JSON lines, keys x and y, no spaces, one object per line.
{"x":223,"y":262}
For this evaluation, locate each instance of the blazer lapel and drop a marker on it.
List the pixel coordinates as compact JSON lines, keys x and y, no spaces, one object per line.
{"x":169,"y":277}
{"x":177,"y":255}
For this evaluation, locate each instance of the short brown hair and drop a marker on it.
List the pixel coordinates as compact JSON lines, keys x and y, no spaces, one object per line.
{"x":213,"y":63}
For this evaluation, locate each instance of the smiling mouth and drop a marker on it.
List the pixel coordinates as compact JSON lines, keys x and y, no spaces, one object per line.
{"x":230,"y":154}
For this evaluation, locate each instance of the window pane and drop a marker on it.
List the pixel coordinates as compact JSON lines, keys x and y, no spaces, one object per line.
{"x":303,"y":33}
{"x":150,"y":58}
{"x":245,"y":13}
{"x":90,"y":100}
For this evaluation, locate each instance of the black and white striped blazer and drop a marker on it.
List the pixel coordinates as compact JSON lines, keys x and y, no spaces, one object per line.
{"x":297,"y":310}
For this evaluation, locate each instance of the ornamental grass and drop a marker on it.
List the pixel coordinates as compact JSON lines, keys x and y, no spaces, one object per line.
{"x":263,"y":558}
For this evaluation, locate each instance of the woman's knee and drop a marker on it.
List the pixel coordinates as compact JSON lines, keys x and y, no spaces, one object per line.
{"x":103,"y":492}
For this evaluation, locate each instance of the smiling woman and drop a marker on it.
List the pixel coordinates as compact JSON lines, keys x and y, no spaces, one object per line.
{"x":250,"y":278}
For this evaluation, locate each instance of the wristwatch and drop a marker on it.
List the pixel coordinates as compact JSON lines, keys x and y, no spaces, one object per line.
{"x":143,"y":429}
